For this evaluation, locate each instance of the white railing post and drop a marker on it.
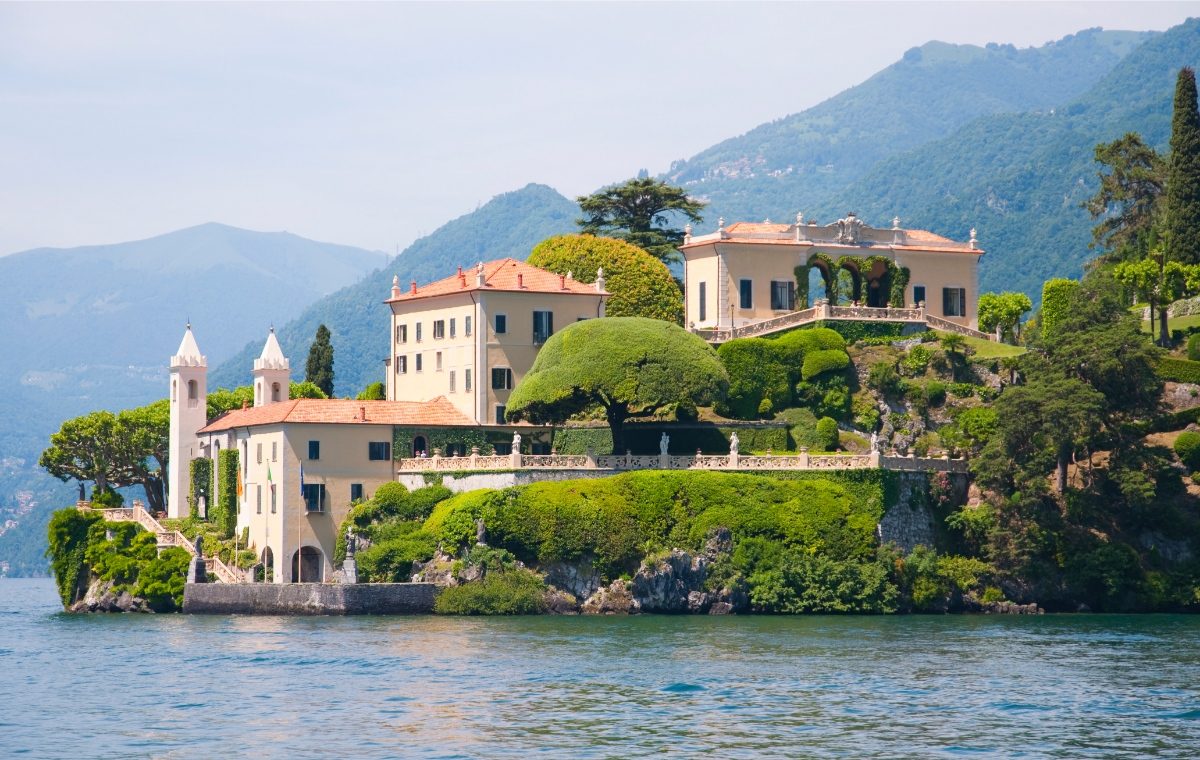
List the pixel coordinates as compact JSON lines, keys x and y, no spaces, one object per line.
{"x":474,"y":457}
{"x":803,"y":457}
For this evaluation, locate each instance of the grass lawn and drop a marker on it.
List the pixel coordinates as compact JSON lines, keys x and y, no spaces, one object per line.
{"x":1176,"y":323}
{"x":990,"y":349}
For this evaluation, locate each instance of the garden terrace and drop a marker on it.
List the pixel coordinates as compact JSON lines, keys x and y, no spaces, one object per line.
{"x":826,"y":312}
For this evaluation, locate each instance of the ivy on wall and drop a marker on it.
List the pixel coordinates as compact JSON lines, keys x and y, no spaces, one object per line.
{"x":224,"y":513}
{"x":684,"y":439}
{"x":899,"y":285}
{"x":200,"y":482}
{"x":457,"y":441}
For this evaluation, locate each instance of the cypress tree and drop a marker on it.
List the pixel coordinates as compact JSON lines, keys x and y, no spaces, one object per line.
{"x":319,"y":370}
{"x":1183,"y":174}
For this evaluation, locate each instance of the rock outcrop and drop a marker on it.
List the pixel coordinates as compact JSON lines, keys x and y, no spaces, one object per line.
{"x":102,"y":596}
{"x":613,"y":599}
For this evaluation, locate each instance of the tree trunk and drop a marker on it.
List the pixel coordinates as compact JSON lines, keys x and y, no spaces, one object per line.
{"x":154,"y":500}
{"x":1164,"y":335}
{"x":616,"y":415}
{"x":1060,"y":475}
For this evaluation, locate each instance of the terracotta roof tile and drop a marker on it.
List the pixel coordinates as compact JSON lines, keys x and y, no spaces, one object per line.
{"x":504,"y":274}
{"x":332,"y":411}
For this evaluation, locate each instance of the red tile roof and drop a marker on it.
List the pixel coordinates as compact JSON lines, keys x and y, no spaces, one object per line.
{"x":332,"y":411}
{"x":504,"y":274}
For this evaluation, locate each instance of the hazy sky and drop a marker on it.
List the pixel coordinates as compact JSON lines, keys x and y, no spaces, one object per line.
{"x":374,"y":124}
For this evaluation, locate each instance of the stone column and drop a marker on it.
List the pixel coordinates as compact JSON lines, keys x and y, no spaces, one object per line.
{"x":591,"y":458}
{"x":803,"y":457}
{"x":474,"y":457}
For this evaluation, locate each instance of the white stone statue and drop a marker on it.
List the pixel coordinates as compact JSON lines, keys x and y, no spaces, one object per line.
{"x":733,"y":443}
{"x":874,"y":441}
{"x":516,"y":444}
{"x":663,"y":442}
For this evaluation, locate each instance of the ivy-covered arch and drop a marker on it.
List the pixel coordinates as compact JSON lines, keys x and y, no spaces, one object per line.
{"x":852,"y":265}
{"x":828,"y":268}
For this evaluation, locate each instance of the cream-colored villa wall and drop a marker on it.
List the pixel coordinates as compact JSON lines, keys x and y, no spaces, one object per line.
{"x":700,"y":265}
{"x":515,"y":348}
{"x":458,"y":354}
{"x":344,"y":460}
{"x":764,"y":264}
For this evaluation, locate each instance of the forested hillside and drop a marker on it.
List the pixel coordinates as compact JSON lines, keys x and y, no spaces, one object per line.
{"x":801,"y":160}
{"x":508,"y":225}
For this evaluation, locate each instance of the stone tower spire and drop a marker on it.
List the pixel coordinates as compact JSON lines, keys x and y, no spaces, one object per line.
{"x":188,"y":413}
{"x":272,"y":373}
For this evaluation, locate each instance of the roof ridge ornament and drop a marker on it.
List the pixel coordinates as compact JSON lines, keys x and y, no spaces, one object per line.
{"x":973,"y":242}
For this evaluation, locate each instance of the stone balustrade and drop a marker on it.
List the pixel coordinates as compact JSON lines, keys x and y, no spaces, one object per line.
{"x":824,"y":311}
{"x":802,"y":460}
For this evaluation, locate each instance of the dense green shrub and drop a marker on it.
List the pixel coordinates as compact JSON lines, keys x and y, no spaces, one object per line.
{"x":508,"y":592}
{"x":1187,"y":447}
{"x":107,"y":499}
{"x":68,"y":543}
{"x":805,"y":582}
{"x":819,"y":362}
{"x":866,"y":414}
{"x":396,"y":546}
{"x":685,"y":411}
{"x":935,"y":393}
{"x":928,"y":581}
{"x":162,"y":579}
{"x":827,"y":434}
{"x":826,"y":395}
{"x":1193,"y":347}
{"x":394,"y":505}
{"x":1056,"y":303}
{"x":373,"y":392}
{"x":916,"y":360}
{"x":200,"y":484}
{"x":1179,"y":370}
{"x":853,"y":332}
{"x":756,"y":372}
{"x":884,"y":378}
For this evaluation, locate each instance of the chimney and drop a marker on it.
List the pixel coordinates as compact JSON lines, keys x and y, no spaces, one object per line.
{"x":395,"y":286}
{"x":562,"y":282}
{"x":412,"y":287}
{"x":520,"y":281}
{"x":363,"y":412}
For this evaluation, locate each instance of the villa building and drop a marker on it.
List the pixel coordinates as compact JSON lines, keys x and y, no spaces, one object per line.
{"x":472,"y":336}
{"x":750,"y":272}
{"x":304,"y":462}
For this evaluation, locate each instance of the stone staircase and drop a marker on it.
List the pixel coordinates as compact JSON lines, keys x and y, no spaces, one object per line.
{"x":165,"y":538}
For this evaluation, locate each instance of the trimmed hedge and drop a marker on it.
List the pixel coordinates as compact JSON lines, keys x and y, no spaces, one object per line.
{"x":827,"y":434}
{"x":1187,"y":447}
{"x":756,"y":371}
{"x":1193,"y":347}
{"x":223,"y":514}
{"x":855,"y":331}
{"x":1179,"y":370}
{"x":820,"y":362}
{"x":643,"y":438}
{"x":1056,"y":301}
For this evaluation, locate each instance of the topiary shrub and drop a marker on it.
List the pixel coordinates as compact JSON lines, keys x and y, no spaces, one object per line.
{"x":1187,"y":448}
{"x":1179,"y":370}
{"x":764,"y":408}
{"x":827,"y":434}
{"x":1193,"y":347}
{"x":756,"y":371}
{"x":819,"y":362}
{"x":1056,"y":301}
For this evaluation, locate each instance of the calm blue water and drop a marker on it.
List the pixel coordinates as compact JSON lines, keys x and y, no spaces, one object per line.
{"x":207,"y":687}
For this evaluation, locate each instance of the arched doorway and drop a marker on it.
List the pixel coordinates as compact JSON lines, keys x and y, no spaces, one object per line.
{"x":312,"y":569}
{"x":420,"y":447}
{"x":268,"y":565}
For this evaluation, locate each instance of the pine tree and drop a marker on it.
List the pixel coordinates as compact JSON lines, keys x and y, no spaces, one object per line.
{"x":1182,"y":219}
{"x":319,"y":369}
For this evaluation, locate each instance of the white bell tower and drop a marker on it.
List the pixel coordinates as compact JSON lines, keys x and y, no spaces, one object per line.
{"x":189,"y":413}
{"x":272,"y":373}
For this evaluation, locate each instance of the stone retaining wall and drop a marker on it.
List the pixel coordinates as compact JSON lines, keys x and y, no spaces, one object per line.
{"x":309,"y":598}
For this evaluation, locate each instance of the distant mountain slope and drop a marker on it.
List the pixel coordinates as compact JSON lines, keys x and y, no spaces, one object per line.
{"x":1019,"y":178}
{"x":508,"y":225}
{"x":803,"y":159}
{"x":92,"y":328}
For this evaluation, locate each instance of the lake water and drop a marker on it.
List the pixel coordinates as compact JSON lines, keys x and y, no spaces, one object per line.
{"x":583,"y":687}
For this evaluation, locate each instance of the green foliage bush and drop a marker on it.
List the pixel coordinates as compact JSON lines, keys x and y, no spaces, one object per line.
{"x":853,"y":332}
{"x":201,"y":484}
{"x":162,"y":579}
{"x":884,"y":378}
{"x":107,"y":498}
{"x":1056,"y":303}
{"x":756,"y":371}
{"x":819,"y":362}
{"x":67,"y":535}
{"x":827,"y":434}
{"x":396,"y":546}
{"x":805,"y":582}
{"x":935,"y":393}
{"x":866,"y":414}
{"x":508,"y":592}
{"x":373,"y":392}
{"x":1187,"y":447}
{"x":641,"y":285}
{"x":1179,"y":370}
{"x":916,"y":360}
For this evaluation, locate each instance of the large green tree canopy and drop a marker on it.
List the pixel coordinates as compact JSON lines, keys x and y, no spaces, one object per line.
{"x":641,"y":285}
{"x":640,"y":211}
{"x":628,"y":365}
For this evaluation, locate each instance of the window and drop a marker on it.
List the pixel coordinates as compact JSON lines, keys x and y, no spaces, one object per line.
{"x":502,"y":379}
{"x":467,"y":327}
{"x":745,"y":291}
{"x":272,"y":498}
{"x":258,"y":451}
{"x":703,"y":301}
{"x":314,"y":497}
{"x":401,"y":333}
{"x":314,"y":449}
{"x":452,"y":327}
{"x":258,"y":500}
{"x":401,"y":364}
{"x":356,"y":492}
{"x":501,"y":324}
{"x":918,"y":294}
{"x":379,"y":451}
{"x":499,"y":414}
{"x":274,"y":452}
{"x":437,"y":361}
{"x":467,"y":380}
{"x":543,"y":326}
{"x":418,"y":362}
{"x":452,"y":381}
{"x":418,"y":332}
{"x":783,"y":295}
{"x":439,"y":329}
{"x":954,"y":302}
